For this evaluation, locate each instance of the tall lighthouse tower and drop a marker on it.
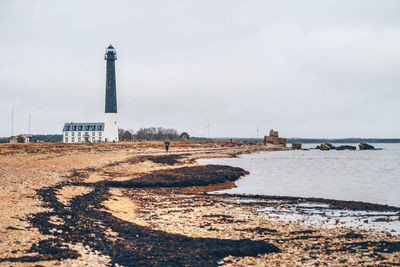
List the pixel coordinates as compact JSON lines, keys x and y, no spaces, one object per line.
{"x":110,"y":118}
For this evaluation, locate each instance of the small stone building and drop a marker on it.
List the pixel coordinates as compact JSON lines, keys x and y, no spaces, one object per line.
{"x":126,"y":136}
{"x":19,"y":139}
{"x":274,"y":139}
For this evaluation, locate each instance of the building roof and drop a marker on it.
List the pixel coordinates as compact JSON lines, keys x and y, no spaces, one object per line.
{"x":83,"y":126}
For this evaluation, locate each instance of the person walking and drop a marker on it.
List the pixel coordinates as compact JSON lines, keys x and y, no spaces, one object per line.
{"x":167,"y":143}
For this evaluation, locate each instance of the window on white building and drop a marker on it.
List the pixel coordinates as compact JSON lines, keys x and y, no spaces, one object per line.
{"x":79,"y":139}
{"x":73,"y":133}
{"x":93,"y":133}
{"x":99,"y":133}
{"x":93,"y":139}
{"x":79,"y":133}
{"x":66,"y":133}
{"x":86,"y":134}
{"x":66,"y":140}
{"x":73,"y":139}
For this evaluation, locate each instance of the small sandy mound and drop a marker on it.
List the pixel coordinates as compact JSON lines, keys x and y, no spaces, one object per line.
{"x":123,"y":208}
{"x":69,"y":192}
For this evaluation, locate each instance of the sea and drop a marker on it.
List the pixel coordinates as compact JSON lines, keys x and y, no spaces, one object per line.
{"x":361,"y":175}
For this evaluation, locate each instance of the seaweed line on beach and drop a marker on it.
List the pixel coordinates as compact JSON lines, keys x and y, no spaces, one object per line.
{"x":85,"y":221}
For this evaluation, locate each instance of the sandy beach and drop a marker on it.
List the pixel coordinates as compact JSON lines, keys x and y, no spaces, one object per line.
{"x":132,"y":203}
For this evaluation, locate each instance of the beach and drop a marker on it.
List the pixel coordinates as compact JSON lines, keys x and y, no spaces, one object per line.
{"x":131,"y":203}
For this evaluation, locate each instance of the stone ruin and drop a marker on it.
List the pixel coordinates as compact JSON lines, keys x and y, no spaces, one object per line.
{"x":274,"y":139}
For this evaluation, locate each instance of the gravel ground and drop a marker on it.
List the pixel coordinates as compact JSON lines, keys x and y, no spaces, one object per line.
{"x":133,"y":204}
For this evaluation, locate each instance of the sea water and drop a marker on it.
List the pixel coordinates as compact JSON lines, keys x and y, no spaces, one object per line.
{"x":361,"y":175}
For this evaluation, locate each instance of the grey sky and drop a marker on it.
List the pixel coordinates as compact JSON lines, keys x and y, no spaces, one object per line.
{"x":305,"y":68}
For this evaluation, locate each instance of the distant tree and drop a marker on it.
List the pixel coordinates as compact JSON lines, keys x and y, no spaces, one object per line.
{"x":20,"y":139}
{"x":4,"y":140}
{"x":159,"y":133}
{"x":184,"y":136}
{"x":46,"y":138}
{"x":145,"y":133}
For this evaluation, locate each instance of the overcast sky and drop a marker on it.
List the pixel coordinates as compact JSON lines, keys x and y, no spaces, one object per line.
{"x":305,"y":68}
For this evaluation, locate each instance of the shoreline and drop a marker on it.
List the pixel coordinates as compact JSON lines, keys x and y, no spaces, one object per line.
{"x":113,"y":204}
{"x":369,"y":177}
{"x":334,"y":203}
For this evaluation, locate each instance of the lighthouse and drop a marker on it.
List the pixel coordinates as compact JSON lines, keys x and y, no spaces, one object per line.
{"x":110,"y":116}
{"x":97,"y":132}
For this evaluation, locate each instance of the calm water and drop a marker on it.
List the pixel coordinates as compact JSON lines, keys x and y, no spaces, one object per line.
{"x":371,"y":176}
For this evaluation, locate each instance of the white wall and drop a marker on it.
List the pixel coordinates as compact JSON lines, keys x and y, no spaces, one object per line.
{"x":110,"y":127}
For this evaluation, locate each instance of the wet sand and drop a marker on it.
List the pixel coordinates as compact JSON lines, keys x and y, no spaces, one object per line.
{"x":133,"y":204}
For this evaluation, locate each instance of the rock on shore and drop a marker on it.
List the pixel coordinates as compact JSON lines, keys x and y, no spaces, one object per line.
{"x":365,"y":146}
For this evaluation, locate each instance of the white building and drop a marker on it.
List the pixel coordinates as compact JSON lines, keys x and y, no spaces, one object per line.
{"x":83,"y":132}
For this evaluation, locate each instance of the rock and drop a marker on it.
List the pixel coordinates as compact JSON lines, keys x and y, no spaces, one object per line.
{"x":326,"y":146}
{"x":346,"y":147}
{"x":296,"y":145}
{"x":365,"y":146}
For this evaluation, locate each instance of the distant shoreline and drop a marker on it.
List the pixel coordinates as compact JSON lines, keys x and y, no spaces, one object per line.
{"x":344,"y":140}
{"x":57,"y":138}
{"x":308,"y":140}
